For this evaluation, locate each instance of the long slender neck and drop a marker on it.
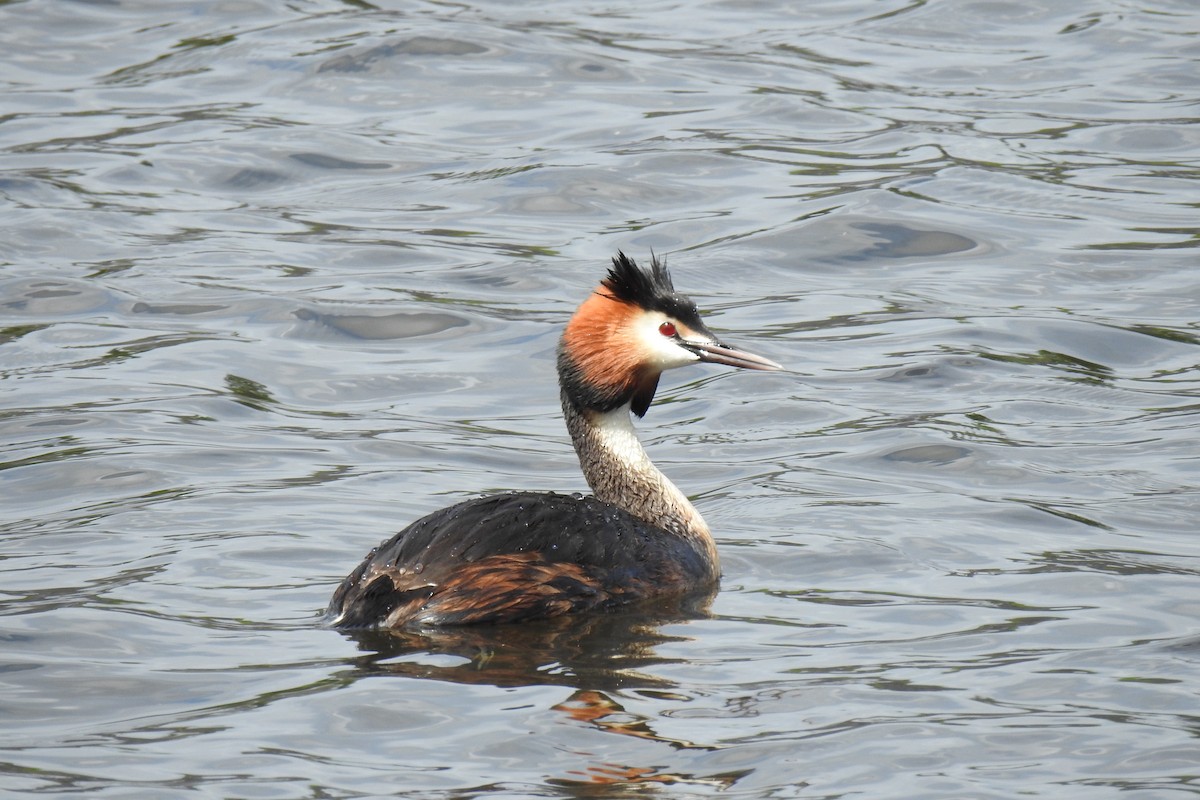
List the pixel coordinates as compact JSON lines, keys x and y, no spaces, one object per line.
{"x":619,"y":472}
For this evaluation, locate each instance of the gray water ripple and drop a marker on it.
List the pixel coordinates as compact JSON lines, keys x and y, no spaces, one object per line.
{"x":275,"y":282}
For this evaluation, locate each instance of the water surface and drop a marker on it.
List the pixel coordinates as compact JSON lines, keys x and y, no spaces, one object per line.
{"x":277,"y":279}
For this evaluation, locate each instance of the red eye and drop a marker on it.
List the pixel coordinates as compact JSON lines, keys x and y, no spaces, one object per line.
{"x":667,"y":328}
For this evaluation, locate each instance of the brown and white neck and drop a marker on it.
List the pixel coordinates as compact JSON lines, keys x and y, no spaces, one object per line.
{"x":620,"y":472}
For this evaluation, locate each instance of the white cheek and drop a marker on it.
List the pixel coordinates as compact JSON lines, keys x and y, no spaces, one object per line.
{"x":662,"y":352}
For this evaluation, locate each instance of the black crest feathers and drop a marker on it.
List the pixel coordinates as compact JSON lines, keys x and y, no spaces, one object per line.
{"x":629,"y":283}
{"x":650,"y":289}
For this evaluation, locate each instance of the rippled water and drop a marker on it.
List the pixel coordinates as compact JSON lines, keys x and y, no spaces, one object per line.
{"x":279,"y":278}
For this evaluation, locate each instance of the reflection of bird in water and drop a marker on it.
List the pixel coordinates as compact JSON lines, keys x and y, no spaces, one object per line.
{"x":526,"y":555}
{"x":613,"y":655}
{"x":605,"y":652}
{"x":601,"y":711}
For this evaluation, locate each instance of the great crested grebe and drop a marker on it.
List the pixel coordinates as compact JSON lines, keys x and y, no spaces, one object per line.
{"x":525,"y":555}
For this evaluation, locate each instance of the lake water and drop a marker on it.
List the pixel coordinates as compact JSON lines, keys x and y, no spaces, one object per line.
{"x":278,"y":278}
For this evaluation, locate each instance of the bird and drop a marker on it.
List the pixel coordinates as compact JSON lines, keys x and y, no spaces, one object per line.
{"x":522,"y":555}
